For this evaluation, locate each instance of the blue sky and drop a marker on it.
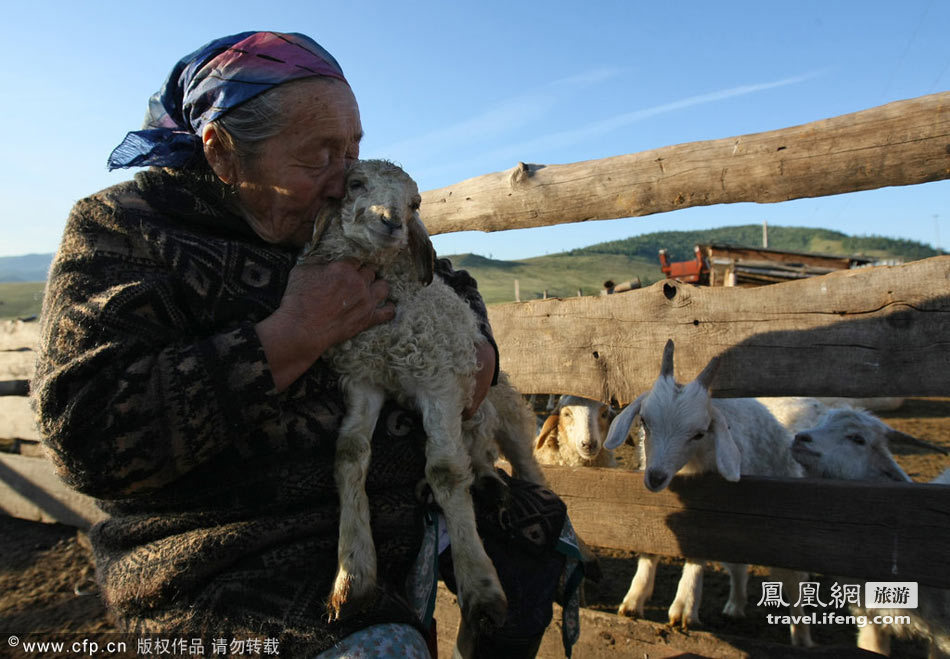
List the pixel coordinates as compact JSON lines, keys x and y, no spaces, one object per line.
{"x":453,"y":90}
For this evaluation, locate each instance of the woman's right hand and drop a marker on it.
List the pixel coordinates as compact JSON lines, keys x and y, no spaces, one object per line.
{"x":323,"y":304}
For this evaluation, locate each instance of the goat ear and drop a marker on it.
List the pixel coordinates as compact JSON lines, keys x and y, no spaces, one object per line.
{"x":666,"y":366}
{"x":421,"y":250}
{"x":327,"y":212}
{"x":898,"y":437}
{"x":884,"y":464}
{"x":728,"y":457}
{"x":705,"y":378}
{"x":620,"y":426}
{"x":550,"y":424}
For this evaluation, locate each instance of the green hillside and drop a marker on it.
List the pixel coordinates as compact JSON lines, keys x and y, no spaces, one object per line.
{"x":586,"y":269}
{"x":20,"y":299}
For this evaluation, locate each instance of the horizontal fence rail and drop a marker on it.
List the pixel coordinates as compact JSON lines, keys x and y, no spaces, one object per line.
{"x":881,"y":331}
{"x":901,"y":143}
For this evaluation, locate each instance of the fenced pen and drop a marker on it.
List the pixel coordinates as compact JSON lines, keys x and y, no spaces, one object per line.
{"x":880,"y":331}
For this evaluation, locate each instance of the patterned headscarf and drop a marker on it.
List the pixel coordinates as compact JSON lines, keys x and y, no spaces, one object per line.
{"x":207,"y":83}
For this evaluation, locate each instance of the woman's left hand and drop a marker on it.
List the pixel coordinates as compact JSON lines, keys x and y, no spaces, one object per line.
{"x":485,"y":354}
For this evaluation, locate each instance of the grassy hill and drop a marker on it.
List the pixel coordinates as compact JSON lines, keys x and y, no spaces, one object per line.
{"x":20,"y":299}
{"x":586,"y":269}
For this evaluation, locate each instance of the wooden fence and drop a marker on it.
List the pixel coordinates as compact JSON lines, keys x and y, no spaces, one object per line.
{"x":872,"y":332}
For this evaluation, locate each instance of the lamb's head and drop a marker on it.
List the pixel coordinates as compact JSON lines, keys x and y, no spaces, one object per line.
{"x":680,"y":425}
{"x":379,"y":216}
{"x":848,"y":444}
{"x":580,"y":422}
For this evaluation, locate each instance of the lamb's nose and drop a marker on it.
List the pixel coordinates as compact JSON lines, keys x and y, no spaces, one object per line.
{"x":392,"y":225}
{"x":655,"y":479}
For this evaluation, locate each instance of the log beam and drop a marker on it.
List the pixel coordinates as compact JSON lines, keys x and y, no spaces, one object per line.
{"x":880,"y":331}
{"x":901,"y":143}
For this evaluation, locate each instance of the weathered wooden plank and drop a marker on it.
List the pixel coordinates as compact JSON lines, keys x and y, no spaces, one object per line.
{"x":16,"y":364}
{"x":890,"y":532}
{"x":16,"y":419}
{"x":882,"y":331}
{"x":604,"y":634}
{"x":16,"y":334}
{"x":30,"y":489}
{"x":900,"y":143}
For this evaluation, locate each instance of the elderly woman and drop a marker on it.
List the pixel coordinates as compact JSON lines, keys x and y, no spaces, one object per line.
{"x":180,"y":379}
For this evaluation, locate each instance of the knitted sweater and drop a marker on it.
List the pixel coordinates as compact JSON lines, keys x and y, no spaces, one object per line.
{"x":154,"y":396}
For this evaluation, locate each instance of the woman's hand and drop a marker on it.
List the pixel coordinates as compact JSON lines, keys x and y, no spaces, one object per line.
{"x":485,"y":354}
{"x":323,"y":305}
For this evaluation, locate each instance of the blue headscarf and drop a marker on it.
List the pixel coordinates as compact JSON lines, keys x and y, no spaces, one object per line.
{"x":207,"y":83}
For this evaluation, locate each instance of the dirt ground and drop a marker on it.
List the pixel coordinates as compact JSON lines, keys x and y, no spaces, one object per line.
{"x":46,"y":577}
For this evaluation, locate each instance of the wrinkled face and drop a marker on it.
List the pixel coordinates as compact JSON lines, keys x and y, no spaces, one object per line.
{"x":846,"y":445}
{"x":584,"y":424}
{"x":675,"y":421}
{"x":380,"y":200}
{"x":301,"y":168}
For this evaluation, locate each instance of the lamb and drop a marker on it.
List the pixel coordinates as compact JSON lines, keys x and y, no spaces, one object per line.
{"x":573,"y":434}
{"x":686,"y":431}
{"x":852,"y":444}
{"x":424,"y":358}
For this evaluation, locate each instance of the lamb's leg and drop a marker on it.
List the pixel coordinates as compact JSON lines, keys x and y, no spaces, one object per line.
{"x":479,"y":438}
{"x":449,"y":473}
{"x":641,"y":587}
{"x":684,"y":611}
{"x":356,"y":555}
{"x":738,"y":589}
{"x":791,"y":580}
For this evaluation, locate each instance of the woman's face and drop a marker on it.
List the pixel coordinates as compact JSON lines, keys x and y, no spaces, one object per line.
{"x":302,"y":167}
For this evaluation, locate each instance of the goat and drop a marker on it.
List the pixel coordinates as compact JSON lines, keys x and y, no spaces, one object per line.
{"x":852,"y":444}
{"x":573,"y":434}
{"x":424,"y":358}
{"x":686,"y":431}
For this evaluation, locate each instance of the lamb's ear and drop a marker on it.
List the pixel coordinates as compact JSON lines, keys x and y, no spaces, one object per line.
{"x":666,"y":366}
{"x":706,"y":377}
{"x":325,"y":215}
{"x":550,"y":424}
{"x":620,"y":426}
{"x":728,"y":457}
{"x":421,"y":250}
{"x":883,"y":463}
{"x":898,"y":437}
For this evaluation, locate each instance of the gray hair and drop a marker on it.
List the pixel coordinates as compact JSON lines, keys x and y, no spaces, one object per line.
{"x":246,"y":127}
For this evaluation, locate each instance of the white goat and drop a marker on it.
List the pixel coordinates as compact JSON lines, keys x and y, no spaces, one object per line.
{"x":573,"y":434}
{"x":686,"y":431}
{"x":424,"y":358}
{"x":852,"y":444}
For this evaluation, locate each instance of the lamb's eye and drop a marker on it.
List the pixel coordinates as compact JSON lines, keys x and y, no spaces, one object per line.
{"x":567,"y":413}
{"x":355,"y":185}
{"x":857,"y":439}
{"x":698,"y":436}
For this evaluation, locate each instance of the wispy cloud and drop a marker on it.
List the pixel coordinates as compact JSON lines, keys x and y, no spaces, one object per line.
{"x":560,"y":139}
{"x":505,"y":116}
{"x":569,"y":137}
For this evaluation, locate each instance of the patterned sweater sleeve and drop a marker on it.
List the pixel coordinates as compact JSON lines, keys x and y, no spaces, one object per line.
{"x":467,"y":288}
{"x":130,"y":392}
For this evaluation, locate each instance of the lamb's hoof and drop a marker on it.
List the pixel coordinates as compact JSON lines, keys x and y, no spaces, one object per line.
{"x":630,"y":611}
{"x":681,"y":622}
{"x":350,"y":596}
{"x":487,"y":613}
